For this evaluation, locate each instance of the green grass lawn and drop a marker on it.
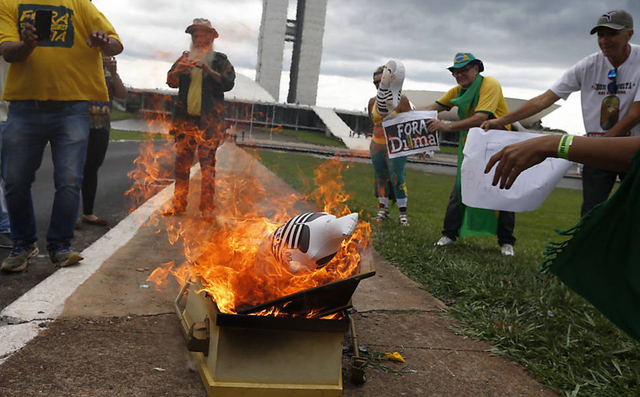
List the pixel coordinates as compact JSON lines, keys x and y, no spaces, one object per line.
{"x":117,"y":114}
{"x":530,"y":318}
{"x":314,"y":137}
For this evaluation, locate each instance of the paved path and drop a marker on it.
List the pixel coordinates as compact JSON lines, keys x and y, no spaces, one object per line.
{"x":116,"y":335}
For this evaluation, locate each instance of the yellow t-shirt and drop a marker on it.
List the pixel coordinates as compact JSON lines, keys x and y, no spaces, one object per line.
{"x":64,"y":68}
{"x":376,"y":119}
{"x":490,"y":100}
{"x":194,"y":99}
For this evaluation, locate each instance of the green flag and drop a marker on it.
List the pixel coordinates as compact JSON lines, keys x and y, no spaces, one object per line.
{"x":601,"y":260}
{"x":476,"y":222}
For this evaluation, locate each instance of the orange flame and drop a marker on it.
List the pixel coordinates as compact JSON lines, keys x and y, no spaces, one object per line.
{"x":250,"y":204}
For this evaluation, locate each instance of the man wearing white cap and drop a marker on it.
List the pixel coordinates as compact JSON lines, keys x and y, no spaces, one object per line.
{"x":202,"y":76}
{"x":608,"y":82}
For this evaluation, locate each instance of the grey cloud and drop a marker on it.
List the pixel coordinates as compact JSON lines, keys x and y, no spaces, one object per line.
{"x":547,"y":33}
{"x":362,"y":34}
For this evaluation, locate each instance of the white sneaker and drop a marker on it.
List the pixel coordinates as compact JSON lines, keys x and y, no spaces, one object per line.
{"x":383,"y":215}
{"x":507,"y":250}
{"x":444,"y":240}
{"x":403,"y":218}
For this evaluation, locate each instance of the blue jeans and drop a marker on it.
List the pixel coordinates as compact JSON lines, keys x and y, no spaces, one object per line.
{"x":5,"y":226}
{"x":26,"y":134}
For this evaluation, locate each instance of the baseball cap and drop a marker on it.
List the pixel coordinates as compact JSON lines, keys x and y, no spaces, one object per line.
{"x":464,"y":58}
{"x":616,"y":19}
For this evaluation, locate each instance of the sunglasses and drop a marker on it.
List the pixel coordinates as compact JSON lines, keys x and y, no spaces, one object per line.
{"x":462,"y":70}
{"x":612,"y":87}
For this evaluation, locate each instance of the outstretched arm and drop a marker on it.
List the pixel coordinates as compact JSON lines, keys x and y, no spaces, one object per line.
{"x":608,"y":153}
{"x":434,"y":106}
{"x":461,"y":125}
{"x":529,"y":108}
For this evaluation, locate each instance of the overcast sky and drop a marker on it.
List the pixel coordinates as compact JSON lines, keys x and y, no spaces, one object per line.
{"x":526,"y":45}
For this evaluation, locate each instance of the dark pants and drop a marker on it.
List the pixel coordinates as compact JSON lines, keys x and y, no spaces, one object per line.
{"x":189,"y":138}
{"x":453,"y":221}
{"x":96,"y":152}
{"x":28,"y":130}
{"x":596,"y":186}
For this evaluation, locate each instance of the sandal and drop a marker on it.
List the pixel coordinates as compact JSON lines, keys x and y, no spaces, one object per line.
{"x":97,"y":221}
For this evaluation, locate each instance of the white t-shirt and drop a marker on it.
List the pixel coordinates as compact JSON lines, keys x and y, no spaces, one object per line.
{"x":590,"y":77}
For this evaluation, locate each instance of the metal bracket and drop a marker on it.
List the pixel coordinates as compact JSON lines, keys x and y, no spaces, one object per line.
{"x":358,"y":364}
{"x":199,"y":337}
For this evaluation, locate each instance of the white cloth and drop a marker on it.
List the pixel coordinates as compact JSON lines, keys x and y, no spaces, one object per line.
{"x":528,"y":192}
{"x":590,"y":77}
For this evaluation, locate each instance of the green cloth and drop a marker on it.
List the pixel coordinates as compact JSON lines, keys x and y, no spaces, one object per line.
{"x":476,"y":222}
{"x":601,"y":260}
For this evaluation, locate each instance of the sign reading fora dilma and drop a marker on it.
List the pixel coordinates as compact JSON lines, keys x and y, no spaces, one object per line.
{"x":407,"y":133}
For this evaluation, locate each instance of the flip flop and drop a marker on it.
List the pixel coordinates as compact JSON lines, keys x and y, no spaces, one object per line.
{"x":97,"y":221}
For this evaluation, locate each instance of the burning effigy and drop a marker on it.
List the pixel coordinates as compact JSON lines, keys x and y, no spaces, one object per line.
{"x":309,"y":241}
{"x":270,"y":278}
{"x":263,"y":247}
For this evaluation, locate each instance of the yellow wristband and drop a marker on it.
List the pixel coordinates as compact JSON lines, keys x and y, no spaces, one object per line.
{"x":564,"y":145}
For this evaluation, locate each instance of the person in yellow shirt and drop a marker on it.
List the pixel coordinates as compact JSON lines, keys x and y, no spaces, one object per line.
{"x":202,"y":76}
{"x":50,"y":81}
{"x":389,"y":173}
{"x":478,"y":98}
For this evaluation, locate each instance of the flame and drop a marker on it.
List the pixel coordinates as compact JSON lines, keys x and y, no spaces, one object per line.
{"x":224,"y":254}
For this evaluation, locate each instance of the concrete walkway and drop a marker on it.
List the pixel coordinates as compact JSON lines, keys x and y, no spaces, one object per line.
{"x":117,"y":335}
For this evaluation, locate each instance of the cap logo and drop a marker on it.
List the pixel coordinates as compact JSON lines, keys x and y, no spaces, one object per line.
{"x":460,"y":57}
{"x":609,"y":15}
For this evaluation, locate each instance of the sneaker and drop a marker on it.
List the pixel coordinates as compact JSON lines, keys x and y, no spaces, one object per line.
{"x":19,"y":257}
{"x":64,"y":257}
{"x":444,"y":240}
{"x":383,"y":215}
{"x":403,"y":218}
{"x":5,"y":240}
{"x":507,"y":250}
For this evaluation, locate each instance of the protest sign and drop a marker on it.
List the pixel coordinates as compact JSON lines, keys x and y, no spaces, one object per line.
{"x":527,"y":193}
{"x":407,"y":133}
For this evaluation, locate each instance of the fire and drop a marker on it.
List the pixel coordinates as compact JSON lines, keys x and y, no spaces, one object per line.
{"x":250,"y":205}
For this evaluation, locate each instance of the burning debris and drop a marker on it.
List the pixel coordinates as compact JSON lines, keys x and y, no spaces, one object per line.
{"x":235,"y":258}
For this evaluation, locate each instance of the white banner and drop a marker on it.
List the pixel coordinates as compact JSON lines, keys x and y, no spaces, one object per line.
{"x":527,"y":193}
{"x":407,"y":134}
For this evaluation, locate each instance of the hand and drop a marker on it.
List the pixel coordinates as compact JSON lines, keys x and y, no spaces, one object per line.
{"x":201,"y":65}
{"x":28,"y":34}
{"x":514,"y":159}
{"x":184,"y":63}
{"x":98,"y":38}
{"x":110,"y":64}
{"x":492,"y":125}
{"x":434,"y":125}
